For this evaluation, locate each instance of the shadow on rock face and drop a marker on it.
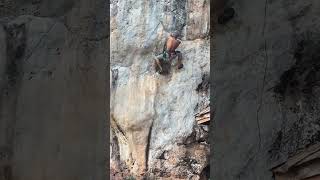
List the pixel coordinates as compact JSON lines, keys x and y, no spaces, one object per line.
{"x":205,"y":84}
{"x":56,"y":8}
{"x":226,"y":16}
{"x":7,"y":172}
{"x":297,"y":93}
{"x":300,"y":82}
{"x":15,"y":49}
{"x":205,"y":174}
{"x":166,"y":68}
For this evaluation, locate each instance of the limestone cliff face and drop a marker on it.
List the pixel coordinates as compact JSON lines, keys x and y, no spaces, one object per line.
{"x":266,"y":75}
{"x":52,"y":89}
{"x":152,"y":115}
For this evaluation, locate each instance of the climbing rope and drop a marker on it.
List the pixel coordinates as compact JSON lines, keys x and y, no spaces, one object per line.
{"x":152,"y":33}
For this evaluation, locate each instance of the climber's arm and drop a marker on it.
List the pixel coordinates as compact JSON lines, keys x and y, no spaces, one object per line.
{"x":164,"y":47}
{"x":179,"y":40}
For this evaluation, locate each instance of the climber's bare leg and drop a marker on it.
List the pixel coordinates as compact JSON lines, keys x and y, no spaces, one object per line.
{"x":179,"y":64}
{"x":157,"y":60}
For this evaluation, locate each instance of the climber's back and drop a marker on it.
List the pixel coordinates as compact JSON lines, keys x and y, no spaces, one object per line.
{"x":172,"y":42}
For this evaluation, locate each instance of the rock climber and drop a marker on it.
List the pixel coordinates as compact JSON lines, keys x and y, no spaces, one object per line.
{"x":169,"y":51}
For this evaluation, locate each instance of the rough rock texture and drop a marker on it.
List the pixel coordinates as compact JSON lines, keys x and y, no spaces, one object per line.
{"x":266,"y":79}
{"x":151,"y":113}
{"x":52,"y":89}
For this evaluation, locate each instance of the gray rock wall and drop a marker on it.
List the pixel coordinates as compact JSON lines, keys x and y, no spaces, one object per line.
{"x":266,"y":98}
{"x":153,"y":113}
{"x":53,"y":90}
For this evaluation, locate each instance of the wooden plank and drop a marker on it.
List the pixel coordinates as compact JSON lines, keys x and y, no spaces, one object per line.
{"x":208,"y":114}
{"x":314,"y":178}
{"x":201,"y":118}
{"x":309,"y":170}
{"x":295,"y":160}
{"x":311,"y":157}
{"x":203,"y":121}
{"x":207,"y":110}
{"x":204,"y":111}
{"x":205,"y":115}
{"x":304,"y":172}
